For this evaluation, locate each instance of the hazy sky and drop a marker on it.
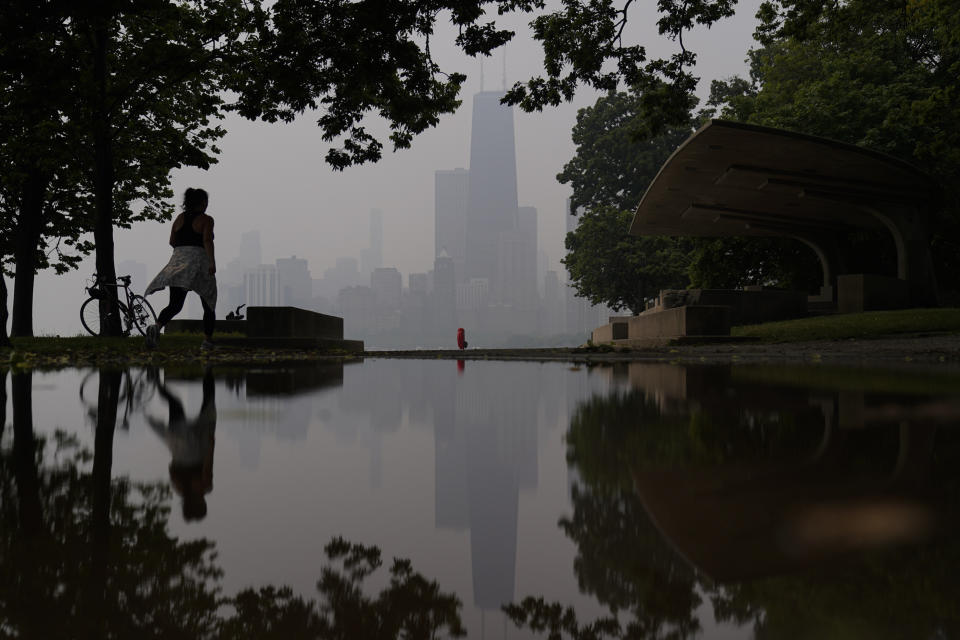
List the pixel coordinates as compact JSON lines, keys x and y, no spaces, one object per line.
{"x":272,"y":177}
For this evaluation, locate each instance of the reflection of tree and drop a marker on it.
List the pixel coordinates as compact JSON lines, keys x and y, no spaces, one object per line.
{"x":409,"y":607}
{"x":101,"y":563}
{"x":83,"y":554}
{"x":612,"y":437}
{"x":624,"y":560}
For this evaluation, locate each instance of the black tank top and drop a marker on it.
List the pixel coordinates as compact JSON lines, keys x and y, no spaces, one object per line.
{"x":185,"y":236}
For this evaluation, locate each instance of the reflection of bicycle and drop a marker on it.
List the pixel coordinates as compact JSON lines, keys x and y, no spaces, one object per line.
{"x":136,"y":389}
{"x":135,"y":311}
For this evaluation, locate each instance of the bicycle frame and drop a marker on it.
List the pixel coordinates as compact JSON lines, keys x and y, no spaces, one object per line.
{"x":130,"y":306}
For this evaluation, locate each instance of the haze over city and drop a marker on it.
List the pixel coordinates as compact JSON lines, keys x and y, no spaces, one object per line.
{"x":272,"y":178}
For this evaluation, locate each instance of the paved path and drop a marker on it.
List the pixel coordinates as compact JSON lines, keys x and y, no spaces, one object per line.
{"x":921,"y":349}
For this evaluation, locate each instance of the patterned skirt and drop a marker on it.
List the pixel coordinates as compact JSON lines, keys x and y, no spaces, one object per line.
{"x":189,"y":268}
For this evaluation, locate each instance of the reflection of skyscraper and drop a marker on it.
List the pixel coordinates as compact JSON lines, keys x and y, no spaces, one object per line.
{"x":492,"y":192}
{"x":485,"y":453}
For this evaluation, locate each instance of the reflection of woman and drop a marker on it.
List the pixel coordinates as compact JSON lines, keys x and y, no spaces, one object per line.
{"x":191,"y":447}
{"x":191,"y":268}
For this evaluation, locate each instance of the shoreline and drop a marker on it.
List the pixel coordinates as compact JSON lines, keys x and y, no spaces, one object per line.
{"x":928,"y":349}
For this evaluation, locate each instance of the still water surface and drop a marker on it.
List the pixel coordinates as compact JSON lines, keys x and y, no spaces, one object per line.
{"x":652,"y":500}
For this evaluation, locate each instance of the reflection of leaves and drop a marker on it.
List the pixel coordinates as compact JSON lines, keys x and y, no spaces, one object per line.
{"x":626,"y":563}
{"x":410,"y":607}
{"x":557,"y":620}
{"x":149,"y":584}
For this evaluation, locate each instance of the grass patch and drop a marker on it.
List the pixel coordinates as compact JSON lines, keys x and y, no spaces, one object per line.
{"x":864,"y":326}
{"x":174,"y":348}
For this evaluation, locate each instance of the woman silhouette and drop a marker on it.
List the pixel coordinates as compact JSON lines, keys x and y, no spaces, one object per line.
{"x":191,"y":444}
{"x":192,"y":267}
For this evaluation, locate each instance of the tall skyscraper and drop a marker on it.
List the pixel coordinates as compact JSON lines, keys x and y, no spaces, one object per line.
{"x":371,"y":258}
{"x":444,"y":294}
{"x":492,"y":192}
{"x":450,"y":215}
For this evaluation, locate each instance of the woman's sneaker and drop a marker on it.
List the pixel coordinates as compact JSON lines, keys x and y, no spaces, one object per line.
{"x":152,"y":336}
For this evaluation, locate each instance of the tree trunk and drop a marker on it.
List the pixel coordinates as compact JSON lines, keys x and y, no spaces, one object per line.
{"x":103,"y":183}
{"x":26,"y":241}
{"x":24,"y":454}
{"x":3,"y":402}
{"x":4,"y":338}
{"x":95,"y":597}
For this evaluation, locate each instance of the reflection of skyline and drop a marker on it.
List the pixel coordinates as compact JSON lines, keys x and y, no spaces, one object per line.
{"x":486,"y":451}
{"x":276,"y":401}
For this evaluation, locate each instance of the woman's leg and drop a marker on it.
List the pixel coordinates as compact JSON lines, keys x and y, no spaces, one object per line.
{"x":177,"y":296}
{"x":209,"y":319}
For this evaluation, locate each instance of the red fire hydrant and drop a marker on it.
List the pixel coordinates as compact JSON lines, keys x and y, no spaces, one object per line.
{"x":461,"y":338}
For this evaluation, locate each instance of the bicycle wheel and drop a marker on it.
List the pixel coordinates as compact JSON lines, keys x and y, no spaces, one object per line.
{"x":141,"y":313}
{"x":90,"y":316}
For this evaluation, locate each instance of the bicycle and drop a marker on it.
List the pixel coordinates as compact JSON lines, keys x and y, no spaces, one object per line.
{"x":135,"y":311}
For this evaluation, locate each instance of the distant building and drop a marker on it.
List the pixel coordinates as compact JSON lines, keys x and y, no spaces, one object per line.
{"x":262,"y":286}
{"x":345,"y":274}
{"x":472,"y":294}
{"x":492,"y":192}
{"x":358,"y":307}
{"x":387,"y":285}
{"x":418,"y":284}
{"x":372,"y":257}
{"x":554,"y":317}
{"x":451,"y":189}
{"x":296,"y":285}
{"x":444,"y":294}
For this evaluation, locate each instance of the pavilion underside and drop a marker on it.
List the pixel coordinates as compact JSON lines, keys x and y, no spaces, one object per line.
{"x":731,"y":179}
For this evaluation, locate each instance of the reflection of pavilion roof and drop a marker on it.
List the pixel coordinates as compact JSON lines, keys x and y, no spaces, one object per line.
{"x":740,"y":523}
{"x":732,"y":179}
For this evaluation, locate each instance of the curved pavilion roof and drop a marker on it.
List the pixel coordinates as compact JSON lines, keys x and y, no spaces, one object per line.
{"x":732,"y":179}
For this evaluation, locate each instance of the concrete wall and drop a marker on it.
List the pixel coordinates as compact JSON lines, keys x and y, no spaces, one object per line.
{"x":867,"y":292}
{"x":746,"y":306}
{"x":616,"y":330}
{"x":681,"y":321}
{"x":291,"y":322}
{"x":668,"y":323}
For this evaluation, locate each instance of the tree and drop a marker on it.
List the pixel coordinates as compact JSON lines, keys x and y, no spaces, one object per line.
{"x":614,"y":163}
{"x":607,"y":265}
{"x":881,"y":75}
{"x":139,"y":82}
{"x":84,"y":139}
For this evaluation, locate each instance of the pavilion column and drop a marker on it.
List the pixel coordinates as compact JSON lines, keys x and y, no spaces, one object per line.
{"x":831,"y":260}
{"x":909,"y":228}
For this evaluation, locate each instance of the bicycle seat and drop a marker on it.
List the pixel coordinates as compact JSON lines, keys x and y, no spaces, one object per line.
{"x":124,"y":279}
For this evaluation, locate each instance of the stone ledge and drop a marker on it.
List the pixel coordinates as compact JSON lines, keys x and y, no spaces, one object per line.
{"x":292,"y":322}
{"x":196,"y":326}
{"x":275,"y":342}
